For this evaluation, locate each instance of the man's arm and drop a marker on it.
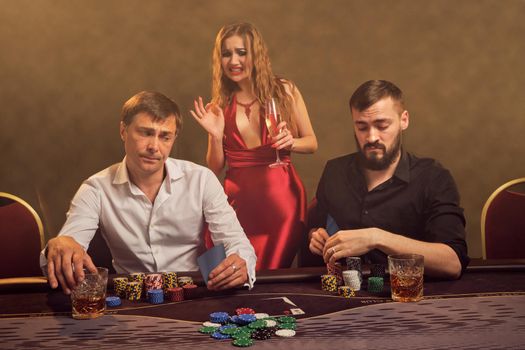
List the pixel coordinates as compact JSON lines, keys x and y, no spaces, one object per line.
{"x":65,"y":257}
{"x":440,"y":259}
{"x":239,"y":266}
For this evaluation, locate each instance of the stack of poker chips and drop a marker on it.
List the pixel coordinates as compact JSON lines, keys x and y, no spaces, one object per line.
{"x":156,"y":296}
{"x":351,"y":278}
{"x":119,"y":286}
{"x":169,"y":280}
{"x":244,"y":328}
{"x":175,"y":294}
{"x":346,"y":291}
{"x":184,"y":280}
{"x":329,"y":283}
{"x":134,"y":290}
{"x":375,"y":284}
{"x":189,"y":291}
{"x":354,"y":263}
{"x":335,"y":269}
{"x":152,"y":281}
{"x":136,"y":277}
{"x":377,"y":270}
{"x":113,"y":301}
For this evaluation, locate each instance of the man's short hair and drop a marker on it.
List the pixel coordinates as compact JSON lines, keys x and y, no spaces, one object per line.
{"x":155,"y":104}
{"x":373,"y":91}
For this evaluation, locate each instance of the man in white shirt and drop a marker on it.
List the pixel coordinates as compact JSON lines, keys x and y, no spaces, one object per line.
{"x":151,"y":208}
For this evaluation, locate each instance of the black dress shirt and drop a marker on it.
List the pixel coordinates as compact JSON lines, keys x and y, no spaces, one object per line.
{"x":420,"y":201}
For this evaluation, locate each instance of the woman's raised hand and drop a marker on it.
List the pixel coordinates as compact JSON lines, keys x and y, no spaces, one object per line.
{"x":210,"y":117}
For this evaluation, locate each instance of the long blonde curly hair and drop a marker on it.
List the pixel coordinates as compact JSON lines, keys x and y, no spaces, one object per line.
{"x":265,"y":83}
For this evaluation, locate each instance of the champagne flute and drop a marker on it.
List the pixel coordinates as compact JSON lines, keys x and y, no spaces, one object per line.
{"x":272,"y":118}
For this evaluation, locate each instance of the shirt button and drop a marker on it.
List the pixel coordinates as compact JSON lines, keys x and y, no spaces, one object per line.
{"x":365,"y":212}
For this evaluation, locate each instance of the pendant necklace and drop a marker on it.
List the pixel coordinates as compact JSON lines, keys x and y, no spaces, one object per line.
{"x":247,"y":107}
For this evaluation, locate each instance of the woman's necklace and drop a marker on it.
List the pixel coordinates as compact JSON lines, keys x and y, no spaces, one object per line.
{"x":247,"y":107}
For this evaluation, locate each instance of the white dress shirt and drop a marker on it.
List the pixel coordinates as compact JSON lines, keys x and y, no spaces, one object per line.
{"x":162,"y":236}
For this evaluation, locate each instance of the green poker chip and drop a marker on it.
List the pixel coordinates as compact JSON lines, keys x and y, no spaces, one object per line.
{"x":257,"y":324}
{"x":243,"y":342}
{"x":230,"y":331}
{"x":286,"y":319}
{"x":287,"y":326}
{"x":208,"y":330}
{"x":241,"y":335}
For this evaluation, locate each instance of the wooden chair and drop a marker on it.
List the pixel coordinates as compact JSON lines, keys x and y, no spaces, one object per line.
{"x":503,"y":223}
{"x":22,"y":237}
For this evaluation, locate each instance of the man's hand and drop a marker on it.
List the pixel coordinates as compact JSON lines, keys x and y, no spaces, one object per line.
{"x":318,"y":239}
{"x":66,"y":260}
{"x":231,"y":272}
{"x":349,"y":243}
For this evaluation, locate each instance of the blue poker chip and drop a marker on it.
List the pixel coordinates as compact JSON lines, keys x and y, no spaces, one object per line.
{"x":113,"y":301}
{"x":220,"y":336}
{"x":235,"y":319}
{"x":156,"y":296}
{"x":219,"y":317}
{"x":246,"y":318}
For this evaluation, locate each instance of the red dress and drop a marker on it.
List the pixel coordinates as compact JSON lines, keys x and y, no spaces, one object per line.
{"x":270,"y":203}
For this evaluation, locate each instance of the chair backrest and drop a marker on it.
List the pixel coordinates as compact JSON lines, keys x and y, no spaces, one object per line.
{"x":22,"y":234}
{"x":503,"y":223}
{"x":99,"y":252}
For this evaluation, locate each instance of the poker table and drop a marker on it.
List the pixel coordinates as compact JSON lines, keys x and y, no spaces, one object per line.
{"x":485,"y":309}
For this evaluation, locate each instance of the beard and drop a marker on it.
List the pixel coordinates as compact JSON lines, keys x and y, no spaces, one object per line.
{"x":374,"y":161}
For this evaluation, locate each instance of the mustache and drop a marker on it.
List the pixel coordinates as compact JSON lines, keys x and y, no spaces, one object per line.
{"x":375,"y":145}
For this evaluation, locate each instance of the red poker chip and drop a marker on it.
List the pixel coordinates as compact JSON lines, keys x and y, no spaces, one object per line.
{"x":244,"y":310}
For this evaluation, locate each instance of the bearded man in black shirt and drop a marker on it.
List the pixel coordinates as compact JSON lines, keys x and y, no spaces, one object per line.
{"x":385,"y":200}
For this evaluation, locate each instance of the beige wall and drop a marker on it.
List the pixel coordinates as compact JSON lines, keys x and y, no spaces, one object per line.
{"x":66,"y":67}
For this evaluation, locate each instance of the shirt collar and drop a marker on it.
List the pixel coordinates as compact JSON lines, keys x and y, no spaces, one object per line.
{"x":173,"y":173}
{"x":403,"y":167}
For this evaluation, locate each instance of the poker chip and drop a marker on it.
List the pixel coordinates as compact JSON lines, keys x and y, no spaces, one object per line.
{"x":119,"y":286}
{"x":208,"y":330}
{"x":351,"y":279}
{"x":287,"y":326}
{"x":244,"y":310}
{"x":242,"y":335}
{"x":286,"y":319}
{"x":133,"y":290}
{"x":156,"y":296}
{"x":354,"y":263}
{"x":169,"y":280}
{"x":377,"y":270}
{"x":184,"y":280}
{"x":211,"y":324}
{"x":287,"y":333}
{"x":175,"y":294}
{"x":245,"y":319}
{"x":152,"y":281}
{"x":220,"y":336}
{"x":336,"y":269}
{"x":261,"y":315}
{"x":189,"y":291}
{"x":262,"y":334}
{"x":329,"y":283}
{"x":271,"y":323}
{"x":228,"y":329}
{"x":113,"y":301}
{"x":243,"y":342}
{"x":219,"y":317}
{"x":346,"y":291}
{"x":375,"y":284}
{"x":257,"y":324}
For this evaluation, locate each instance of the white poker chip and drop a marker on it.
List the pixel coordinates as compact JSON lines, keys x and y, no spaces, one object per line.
{"x":270,"y":323}
{"x":261,"y":315}
{"x":211,"y":324}
{"x":287,"y":333}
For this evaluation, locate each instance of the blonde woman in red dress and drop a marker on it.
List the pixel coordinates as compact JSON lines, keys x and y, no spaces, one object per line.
{"x":270,"y":202}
